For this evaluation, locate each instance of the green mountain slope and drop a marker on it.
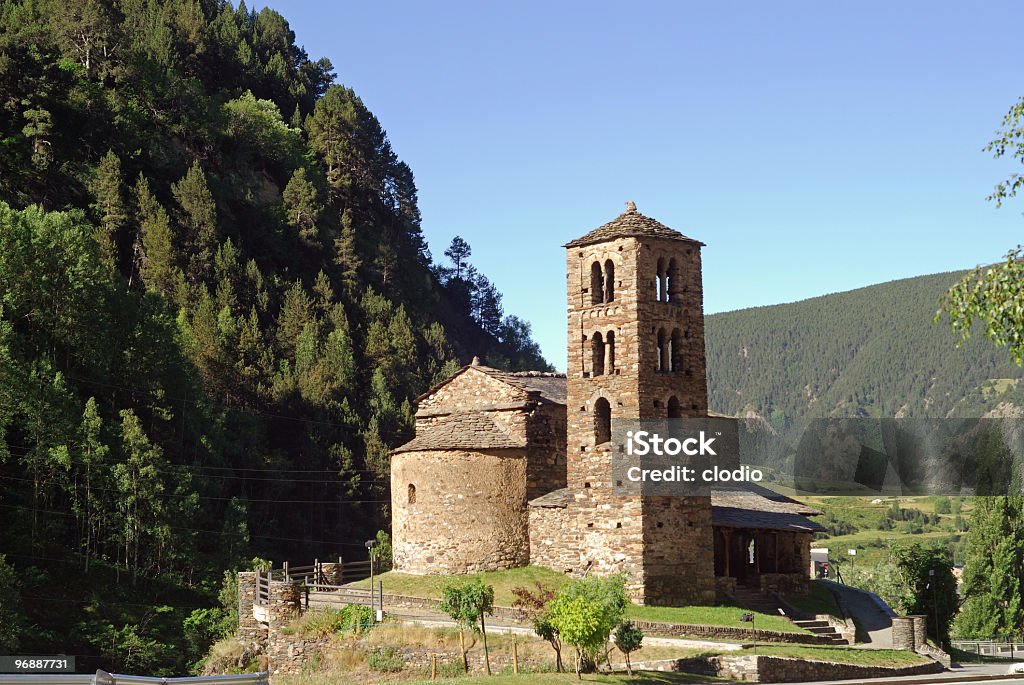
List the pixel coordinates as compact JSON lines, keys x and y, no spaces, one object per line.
{"x":868,"y":352}
{"x":216,"y":305}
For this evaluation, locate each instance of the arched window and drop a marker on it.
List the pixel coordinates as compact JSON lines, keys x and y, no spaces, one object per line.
{"x":674,"y":410}
{"x":597,"y":348}
{"x":609,"y":354}
{"x":659,"y":281}
{"x":609,"y":281}
{"x":602,"y":421}
{"x":596,"y":284}
{"x":673,"y":287}
{"x":676,"y":351}
{"x":412,"y":494}
{"x":662,"y":364}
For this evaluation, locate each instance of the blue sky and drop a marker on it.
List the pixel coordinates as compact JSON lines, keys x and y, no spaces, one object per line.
{"x":814,"y":146}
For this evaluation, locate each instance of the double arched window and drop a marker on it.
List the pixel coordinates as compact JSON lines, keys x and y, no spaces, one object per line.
{"x":602,"y":282}
{"x":667,"y":285}
{"x":602,"y":350}
{"x":670,"y":351}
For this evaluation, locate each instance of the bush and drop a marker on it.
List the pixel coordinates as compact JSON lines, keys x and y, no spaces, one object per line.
{"x":356,"y":618}
{"x":385,"y":660}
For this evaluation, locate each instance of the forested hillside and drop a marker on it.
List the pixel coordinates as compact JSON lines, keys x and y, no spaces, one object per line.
{"x":868,"y":352}
{"x":216,"y":305}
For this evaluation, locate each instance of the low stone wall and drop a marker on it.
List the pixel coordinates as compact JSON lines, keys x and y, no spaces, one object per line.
{"x":728,"y":633}
{"x":903,"y":633}
{"x":773,"y":669}
{"x":785,"y":583}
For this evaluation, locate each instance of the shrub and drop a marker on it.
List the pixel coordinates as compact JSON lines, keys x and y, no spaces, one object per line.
{"x":385,"y":660}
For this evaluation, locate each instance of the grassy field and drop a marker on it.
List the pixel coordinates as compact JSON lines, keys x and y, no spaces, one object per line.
{"x":503,"y":582}
{"x":711,"y":616}
{"x":843,"y":655}
{"x":818,"y":601}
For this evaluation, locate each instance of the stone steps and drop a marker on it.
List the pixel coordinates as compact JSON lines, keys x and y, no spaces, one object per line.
{"x":823,"y":628}
{"x":766,"y":604}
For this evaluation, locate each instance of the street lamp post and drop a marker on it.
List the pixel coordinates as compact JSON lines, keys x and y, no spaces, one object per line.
{"x":935,"y":605}
{"x":369,"y":548}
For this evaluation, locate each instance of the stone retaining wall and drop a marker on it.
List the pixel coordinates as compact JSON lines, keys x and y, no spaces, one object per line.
{"x":728,"y":633}
{"x":773,"y":669}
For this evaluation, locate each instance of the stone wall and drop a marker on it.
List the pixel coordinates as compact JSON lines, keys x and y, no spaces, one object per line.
{"x":903,"y":633}
{"x":249,"y":629}
{"x":545,"y":456}
{"x":469,"y":514}
{"x":470,"y":389}
{"x":554,"y":538}
{"x":785,"y":583}
{"x":772,"y":669}
{"x":284,"y":607}
{"x":728,"y":633}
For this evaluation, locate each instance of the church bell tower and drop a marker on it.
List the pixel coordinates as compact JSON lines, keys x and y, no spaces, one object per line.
{"x":636,"y":351}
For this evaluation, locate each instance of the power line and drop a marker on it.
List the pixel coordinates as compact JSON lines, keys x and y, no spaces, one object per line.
{"x":172,"y":495}
{"x":51,"y":512}
{"x":228,"y":468}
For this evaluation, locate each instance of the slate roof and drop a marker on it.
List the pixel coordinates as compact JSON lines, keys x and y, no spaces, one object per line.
{"x":630,"y":223}
{"x":727,"y":517}
{"x":469,"y":430}
{"x":731,"y":508}
{"x":753,"y":506}
{"x":550,"y":386}
{"x":556,"y":499}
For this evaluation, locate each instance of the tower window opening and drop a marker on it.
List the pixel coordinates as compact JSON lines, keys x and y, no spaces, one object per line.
{"x":660,"y":284}
{"x":609,"y":281}
{"x":676,"y":351}
{"x":673,"y":288}
{"x":662,"y":363}
{"x":609,"y":352}
{"x":602,"y":421}
{"x":598,"y":349}
{"x":596,"y":284}
{"x":674,"y":410}
{"x":412,"y":494}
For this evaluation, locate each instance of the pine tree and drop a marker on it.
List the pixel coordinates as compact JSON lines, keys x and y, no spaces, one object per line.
{"x":110,"y":207}
{"x":346,"y":254}
{"x":198,"y":218}
{"x":302,"y":200}
{"x":155,"y":252}
{"x":993,"y":580}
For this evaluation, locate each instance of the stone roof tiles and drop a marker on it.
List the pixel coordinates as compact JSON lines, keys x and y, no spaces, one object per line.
{"x":550,"y":386}
{"x":734,"y":508}
{"x":630,"y":223}
{"x":462,"y":431}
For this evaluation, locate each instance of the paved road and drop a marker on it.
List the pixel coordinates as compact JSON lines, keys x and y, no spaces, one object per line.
{"x":874,"y":626}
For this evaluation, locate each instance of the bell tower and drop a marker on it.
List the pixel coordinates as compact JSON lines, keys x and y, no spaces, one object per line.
{"x":636,"y":351}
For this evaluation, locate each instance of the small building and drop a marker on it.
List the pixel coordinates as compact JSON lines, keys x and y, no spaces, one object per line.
{"x":509,"y":469}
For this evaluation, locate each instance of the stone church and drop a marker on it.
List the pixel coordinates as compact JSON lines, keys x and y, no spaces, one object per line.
{"x":509,"y":469}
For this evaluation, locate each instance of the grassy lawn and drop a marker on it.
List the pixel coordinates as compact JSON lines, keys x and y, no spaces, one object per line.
{"x":843,"y":655}
{"x":503,"y":582}
{"x":711,"y":616}
{"x":818,"y":601}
